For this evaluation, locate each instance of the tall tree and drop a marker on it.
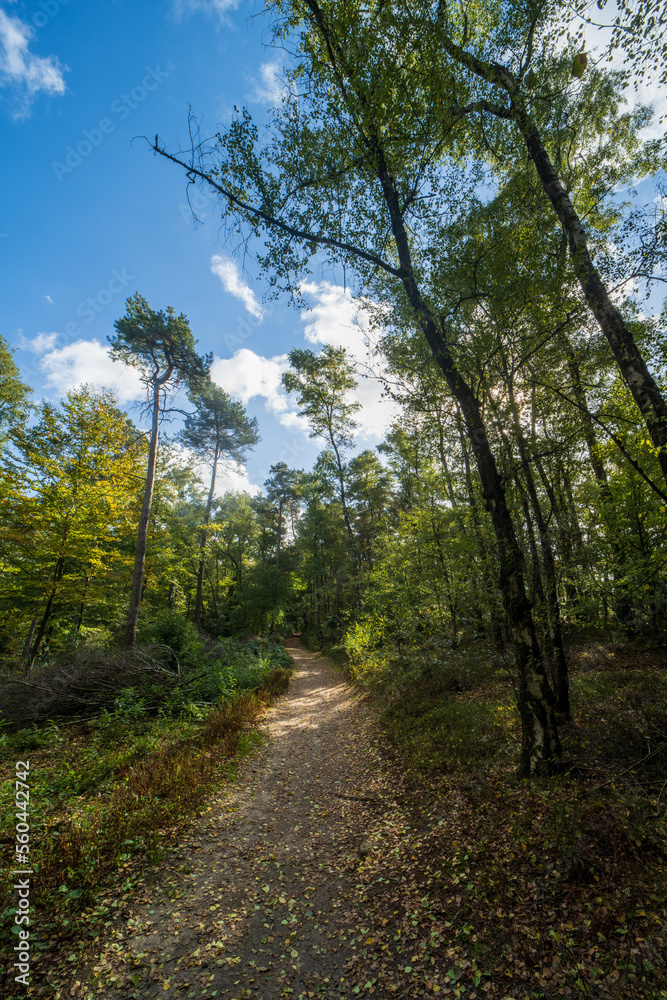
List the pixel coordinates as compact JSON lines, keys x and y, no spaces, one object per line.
{"x":365,"y":165}
{"x":323,"y":383}
{"x":71,"y":499}
{"x":161,"y":347}
{"x":282,"y":491}
{"x":219,"y":429}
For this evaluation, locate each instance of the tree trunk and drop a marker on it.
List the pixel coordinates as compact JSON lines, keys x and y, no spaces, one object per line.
{"x":496,"y":627}
{"x":142,"y":531}
{"x":348,"y":523}
{"x":569,"y":530}
{"x":537,"y":590}
{"x":632,"y":366}
{"x":199,"y":599}
{"x":622,"y":603}
{"x":551,"y":586}
{"x":25,"y":653}
{"x":57,"y":576}
{"x":473,"y":577}
{"x":540,"y":746}
{"x":82,"y":605}
{"x":280,"y":532}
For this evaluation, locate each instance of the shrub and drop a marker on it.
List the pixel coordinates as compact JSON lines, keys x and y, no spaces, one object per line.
{"x":173,"y":630}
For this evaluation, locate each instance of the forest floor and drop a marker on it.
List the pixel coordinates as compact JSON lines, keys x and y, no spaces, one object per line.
{"x":326,"y":871}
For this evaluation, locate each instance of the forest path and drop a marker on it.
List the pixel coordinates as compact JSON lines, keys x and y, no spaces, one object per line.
{"x":292,"y":884}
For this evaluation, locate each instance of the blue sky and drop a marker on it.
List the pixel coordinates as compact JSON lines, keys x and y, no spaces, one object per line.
{"x":91,"y":216}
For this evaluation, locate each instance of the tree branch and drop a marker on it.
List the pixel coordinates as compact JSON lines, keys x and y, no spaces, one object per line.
{"x":494,"y":109}
{"x":275,"y":223}
{"x":617,"y":441}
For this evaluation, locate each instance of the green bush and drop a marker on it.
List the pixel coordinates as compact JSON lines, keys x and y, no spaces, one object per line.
{"x":173,"y":630}
{"x":233,"y":666}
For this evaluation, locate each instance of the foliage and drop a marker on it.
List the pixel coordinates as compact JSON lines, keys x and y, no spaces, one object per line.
{"x":159,"y":345}
{"x":71,"y":498}
{"x":85,"y":822}
{"x":14,"y":393}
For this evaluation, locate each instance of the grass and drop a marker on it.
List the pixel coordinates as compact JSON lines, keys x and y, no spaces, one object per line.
{"x":105,"y":792}
{"x":556,"y":888}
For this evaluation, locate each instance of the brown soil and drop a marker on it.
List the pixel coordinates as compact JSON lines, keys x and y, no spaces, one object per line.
{"x":272,"y":894}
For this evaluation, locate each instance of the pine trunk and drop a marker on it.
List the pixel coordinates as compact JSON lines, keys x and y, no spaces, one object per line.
{"x":142,"y":531}
{"x":199,"y":599}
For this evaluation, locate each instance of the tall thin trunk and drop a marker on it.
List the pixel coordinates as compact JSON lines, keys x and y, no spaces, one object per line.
{"x":82,"y":605}
{"x":144,"y":521}
{"x":569,"y":531}
{"x":496,"y":628}
{"x":540,"y":746}
{"x":57,"y":576}
{"x":348,"y":522}
{"x":631,"y":364}
{"x":25,"y":653}
{"x":199,"y":599}
{"x":622,"y":604}
{"x":451,"y":599}
{"x":537,"y":592}
{"x":473,"y":578}
{"x":587,"y":425}
{"x":551,"y":585}
{"x":280,"y":532}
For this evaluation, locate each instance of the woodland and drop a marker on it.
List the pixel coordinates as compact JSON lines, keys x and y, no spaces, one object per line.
{"x":493,"y":574}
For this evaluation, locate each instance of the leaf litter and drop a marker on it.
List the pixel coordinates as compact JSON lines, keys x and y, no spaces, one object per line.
{"x":325,"y":872}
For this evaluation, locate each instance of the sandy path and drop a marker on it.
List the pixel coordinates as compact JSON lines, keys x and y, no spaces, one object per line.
{"x":271,"y":900}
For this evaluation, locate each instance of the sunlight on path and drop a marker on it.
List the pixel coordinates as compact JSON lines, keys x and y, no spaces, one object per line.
{"x":266,"y":899}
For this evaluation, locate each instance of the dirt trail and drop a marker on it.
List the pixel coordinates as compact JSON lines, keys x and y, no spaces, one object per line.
{"x":275,"y":893}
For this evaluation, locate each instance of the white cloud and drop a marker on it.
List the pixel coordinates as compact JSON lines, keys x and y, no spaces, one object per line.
{"x":338,"y":319}
{"x":335,"y":318}
{"x":233,"y":478}
{"x":42,"y":343}
{"x":270,"y":88}
{"x":48,"y":299}
{"x":219,"y":8}
{"x":88,"y":362}
{"x":247,"y":376}
{"x":230,"y":276}
{"x":25,"y":74}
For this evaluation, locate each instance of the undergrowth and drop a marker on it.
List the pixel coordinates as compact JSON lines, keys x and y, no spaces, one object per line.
{"x":558,"y":887}
{"x":107,"y":790}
